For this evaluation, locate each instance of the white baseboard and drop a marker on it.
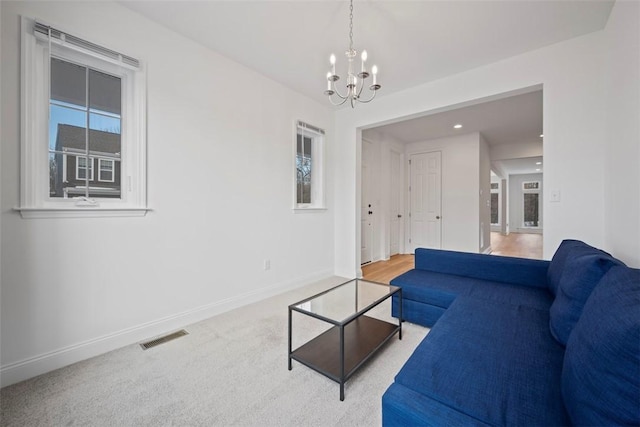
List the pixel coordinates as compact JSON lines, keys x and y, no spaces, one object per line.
{"x":28,"y":368}
{"x":487,"y":250}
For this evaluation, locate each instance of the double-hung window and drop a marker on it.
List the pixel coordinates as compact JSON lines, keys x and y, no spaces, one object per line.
{"x":309,"y":187}
{"x":83,"y":127}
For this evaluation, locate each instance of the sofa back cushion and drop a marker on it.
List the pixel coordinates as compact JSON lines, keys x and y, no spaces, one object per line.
{"x":601,"y":369}
{"x":584,"y":266}
{"x":558,"y":262}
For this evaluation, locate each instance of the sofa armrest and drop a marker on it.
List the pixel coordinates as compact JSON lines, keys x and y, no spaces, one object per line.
{"x":519,"y":271}
{"x":402,"y":406}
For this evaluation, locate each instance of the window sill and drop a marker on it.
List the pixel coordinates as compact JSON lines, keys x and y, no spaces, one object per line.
{"x":88,"y":212}
{"x":297,"y":210}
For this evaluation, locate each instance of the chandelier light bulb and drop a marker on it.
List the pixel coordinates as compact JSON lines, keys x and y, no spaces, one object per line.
{"x":374,"y":71}
{"x":364,"y":59}
{"x":328,"y":80}
{"x":332,"y":59}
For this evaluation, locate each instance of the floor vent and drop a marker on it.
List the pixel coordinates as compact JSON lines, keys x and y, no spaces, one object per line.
{"x":161,"y":340}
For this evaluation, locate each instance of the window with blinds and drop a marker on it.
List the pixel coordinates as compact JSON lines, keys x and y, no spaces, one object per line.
{"x":88,"y":103}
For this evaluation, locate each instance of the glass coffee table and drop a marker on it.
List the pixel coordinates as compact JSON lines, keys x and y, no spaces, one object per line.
{"x":338,"y":352}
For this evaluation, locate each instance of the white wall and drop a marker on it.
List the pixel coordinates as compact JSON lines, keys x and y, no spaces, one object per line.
{"x":220,"y":183}
{"x":574,"y":110}
{"x":460,"y":188}
{"x":622,"y":137}
{"x":484,"y":209}
{"x":516,"y":203}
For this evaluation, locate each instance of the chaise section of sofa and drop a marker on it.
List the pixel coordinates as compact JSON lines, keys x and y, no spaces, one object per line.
{"x":520,"y":342}
{"x":439,"y":277}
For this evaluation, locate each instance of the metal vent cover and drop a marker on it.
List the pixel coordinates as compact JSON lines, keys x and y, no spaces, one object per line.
{"x":163,"y":339}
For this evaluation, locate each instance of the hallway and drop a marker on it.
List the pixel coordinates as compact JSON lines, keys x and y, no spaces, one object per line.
{"x":515,"y":244}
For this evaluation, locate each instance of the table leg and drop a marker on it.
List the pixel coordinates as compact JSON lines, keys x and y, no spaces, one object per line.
{"x":341,"y":363}
{"x":289,"y":355}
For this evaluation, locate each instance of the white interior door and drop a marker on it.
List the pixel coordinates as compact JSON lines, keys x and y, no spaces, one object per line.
{"x":395,"y":214}
{"x":366,"y":210}
{"x":425,"y":200}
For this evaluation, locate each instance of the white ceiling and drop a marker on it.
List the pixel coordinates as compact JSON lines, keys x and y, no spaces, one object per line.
{"x":510,"y":120}
{"x":515,"y":119}
{"x":412,"y":42}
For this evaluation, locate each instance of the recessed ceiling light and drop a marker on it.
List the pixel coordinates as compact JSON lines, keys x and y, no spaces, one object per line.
{"x":538,"y":163}
{"x":541,"y":135}
{"x":458,"y":126}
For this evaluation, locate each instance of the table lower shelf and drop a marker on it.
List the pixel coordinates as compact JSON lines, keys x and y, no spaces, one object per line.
{"x":362,"y":338}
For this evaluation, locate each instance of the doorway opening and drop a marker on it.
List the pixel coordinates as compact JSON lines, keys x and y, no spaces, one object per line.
{"x":483,"y":147}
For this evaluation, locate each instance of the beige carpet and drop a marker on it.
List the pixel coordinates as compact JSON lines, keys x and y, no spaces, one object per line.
{"x":230,"y":370}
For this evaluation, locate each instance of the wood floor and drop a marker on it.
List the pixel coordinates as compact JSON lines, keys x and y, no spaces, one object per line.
{"x":515,"y":244}
{"x":520,"y":245}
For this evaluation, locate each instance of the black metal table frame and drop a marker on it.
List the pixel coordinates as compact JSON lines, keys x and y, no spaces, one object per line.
{"x":344,"y":376}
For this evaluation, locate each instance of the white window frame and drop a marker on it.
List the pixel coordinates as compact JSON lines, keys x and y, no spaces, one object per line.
{"x":317,"y":170}
{"x":34,"y":189}
{"x":499,"y":193}
{"x":113,"y":170}
{"x":532,"y":191}
{"x":90,"y":166}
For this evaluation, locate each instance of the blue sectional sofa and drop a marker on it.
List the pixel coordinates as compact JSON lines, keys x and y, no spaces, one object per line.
{"x":519,"y":342}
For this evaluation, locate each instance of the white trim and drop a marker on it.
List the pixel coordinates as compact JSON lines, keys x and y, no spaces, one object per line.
{"x":12,"y":373}
{"x":81,"y":211}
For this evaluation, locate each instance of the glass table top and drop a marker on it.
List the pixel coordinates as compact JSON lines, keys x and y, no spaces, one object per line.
{"x":346,"y":301}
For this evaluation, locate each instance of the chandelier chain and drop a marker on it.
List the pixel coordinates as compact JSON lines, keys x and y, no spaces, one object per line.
{"x":351,"y":26}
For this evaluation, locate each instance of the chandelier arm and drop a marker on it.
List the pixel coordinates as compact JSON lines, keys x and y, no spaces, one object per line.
{"x":337,"y":92}
{"x":370,"y":99}
{"x":361,"y":87}
{"x":337,"y":103}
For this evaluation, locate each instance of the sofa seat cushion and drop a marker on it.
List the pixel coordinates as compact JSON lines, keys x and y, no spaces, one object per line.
{"x":583,"y":269}
{"x":437,"y":289}
{"x":441,"y":289}
{"x":498,"y":363}
{"x":601,"y":374}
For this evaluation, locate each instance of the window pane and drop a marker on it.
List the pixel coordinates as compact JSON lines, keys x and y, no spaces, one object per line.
{"x":55,"y":175}
{"x":494,"y":208}
{"x":303,"y":166}
{"x":67,"y":134}
{"x":68,"y":82}
{"x":531,"y":209}
{"x":104,"y":92}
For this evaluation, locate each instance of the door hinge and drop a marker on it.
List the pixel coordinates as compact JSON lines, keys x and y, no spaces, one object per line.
{"x":409,"y":240}
{"x":409,"y":161}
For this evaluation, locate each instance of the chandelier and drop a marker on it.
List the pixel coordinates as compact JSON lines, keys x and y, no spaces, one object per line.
{"x":355,"y":82}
